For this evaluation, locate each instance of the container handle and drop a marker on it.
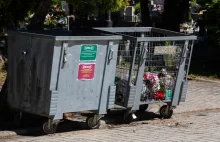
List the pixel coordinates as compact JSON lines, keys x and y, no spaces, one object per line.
{"x":64,"y":58}
{"x":144,"y":52}
{"x":110,"y":56}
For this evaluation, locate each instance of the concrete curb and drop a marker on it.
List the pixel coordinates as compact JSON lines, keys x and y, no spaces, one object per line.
{"x":204,"y":80}
{"x":7,"y":134}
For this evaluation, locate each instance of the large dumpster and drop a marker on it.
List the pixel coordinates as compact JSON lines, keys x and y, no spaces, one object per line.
{"x":51,"y":73}
{"x":152,"y":67}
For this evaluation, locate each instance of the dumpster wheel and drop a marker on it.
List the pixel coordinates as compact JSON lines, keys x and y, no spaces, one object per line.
{"x":93,"y":122}
{"x":128,"y":118}
{"x":49,"y":130}
{"x":166,"y":112}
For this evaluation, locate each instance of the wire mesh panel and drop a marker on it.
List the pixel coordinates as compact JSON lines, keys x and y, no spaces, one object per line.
{"x":188,"y":57}
{"x":161,"y":69}
{"x":126,"y":69}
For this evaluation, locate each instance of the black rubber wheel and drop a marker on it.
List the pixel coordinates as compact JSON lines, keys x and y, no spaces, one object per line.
{"x":108,"y":111}
{"x":91,"y":124}
{"x":164,"y":113}
{"x":128,"y":118}
{"x":51,"y":130}
{"x":143,"y":107}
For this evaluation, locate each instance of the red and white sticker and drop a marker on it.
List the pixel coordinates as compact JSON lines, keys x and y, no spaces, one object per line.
{"x":86,"y":71}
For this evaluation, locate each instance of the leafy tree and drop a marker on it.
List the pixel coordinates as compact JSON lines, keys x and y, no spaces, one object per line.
{"x":10,"y":17}
{"x":137,"y":8}
{"x":13,"y":11}
{"x":90,"y":6}
{"x":97,"y":7}
{"x":213,"y":20}
{"x":211,"y":17}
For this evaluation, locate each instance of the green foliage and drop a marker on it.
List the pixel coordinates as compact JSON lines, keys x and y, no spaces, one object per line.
{"x":213,"y":24}
{"x":4,"y":67}
{"x":162,"y":87}
{"x":137,"y":8}
{"x":13,"y":11}
{"x":213,"y":19}
{"x":125,"y":64}
{"x":93,"y":6}
{"x":193,"y":1}
{"x":167,"y":43}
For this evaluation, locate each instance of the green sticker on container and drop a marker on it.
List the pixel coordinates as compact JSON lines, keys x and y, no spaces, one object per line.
{"x":88,"y":52}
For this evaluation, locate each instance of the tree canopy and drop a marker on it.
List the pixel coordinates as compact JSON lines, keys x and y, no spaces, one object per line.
{"x":14,"y":11}
{"x":213,"y":19}
{"x":92,"y":6}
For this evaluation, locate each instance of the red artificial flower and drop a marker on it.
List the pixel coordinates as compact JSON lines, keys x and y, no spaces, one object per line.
{"x":145,"y":76}
{"x":159,"y":95}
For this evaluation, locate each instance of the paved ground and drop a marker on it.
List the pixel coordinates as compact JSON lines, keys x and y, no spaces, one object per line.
{"x":195,"y":120}
{"x":194,"y":127}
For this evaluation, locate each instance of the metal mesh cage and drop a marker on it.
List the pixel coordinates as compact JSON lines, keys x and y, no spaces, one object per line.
{"x":162,"y":53}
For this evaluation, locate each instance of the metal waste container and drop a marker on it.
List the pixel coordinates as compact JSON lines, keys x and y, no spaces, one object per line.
{"x":152,"y":67}
{"x":53,"y":72}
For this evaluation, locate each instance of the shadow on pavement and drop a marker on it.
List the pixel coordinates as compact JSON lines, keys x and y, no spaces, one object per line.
{"x":33,"y":124}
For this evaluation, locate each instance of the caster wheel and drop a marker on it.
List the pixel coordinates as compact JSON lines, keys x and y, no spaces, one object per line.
{"x":50,"y":130}
{"x":92,"y":123}
{"x":108,"y":111}
{"x":143,"y":107}
{"x":164,"y":113}
{"x":128,"y":118}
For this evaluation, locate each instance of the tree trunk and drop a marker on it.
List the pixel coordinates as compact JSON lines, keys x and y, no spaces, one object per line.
{"x":145,"y":14}
{"x":175,"y":12}
{"x":171,"y":15}
{"x":184,"y":10}
{"x":37,"y":21}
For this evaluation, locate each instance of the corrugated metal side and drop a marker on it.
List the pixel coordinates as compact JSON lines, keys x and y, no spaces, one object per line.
{"x":29,"y":73}
{"x":132,"y":96}
{"x":183,"y":92}
{"x":111,"y":100}
{"x":53,"y":103}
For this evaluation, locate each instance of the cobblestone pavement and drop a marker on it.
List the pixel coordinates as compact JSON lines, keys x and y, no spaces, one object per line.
{"x":195,"y":120}
{"x":194,"y":127}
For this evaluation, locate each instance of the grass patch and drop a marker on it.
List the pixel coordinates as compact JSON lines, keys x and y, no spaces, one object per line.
{"x":206,"y":69}
{"x":211,"y":77}
{"x":193,"y":76}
